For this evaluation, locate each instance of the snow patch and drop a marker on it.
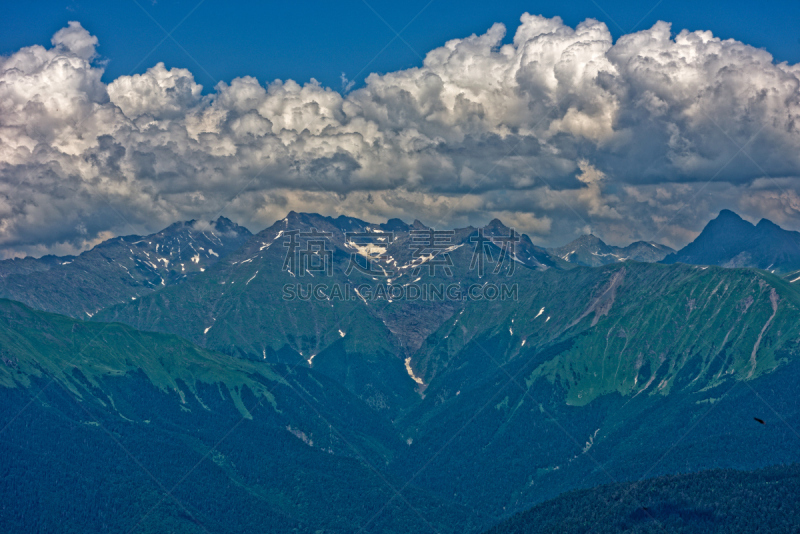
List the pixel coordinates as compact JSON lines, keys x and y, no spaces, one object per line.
{"x":266,"y":245}
{"x":369,"y":251}
{"x":590,"y":442}
{"x":362,"y":298}
{"x":410,"y":372}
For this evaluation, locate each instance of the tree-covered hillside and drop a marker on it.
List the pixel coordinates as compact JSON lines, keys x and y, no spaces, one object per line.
{"x":710,"y":502}
{"x":106,"y":429}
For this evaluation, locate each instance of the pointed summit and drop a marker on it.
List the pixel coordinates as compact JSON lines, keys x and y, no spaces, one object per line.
{"x":394,"y":225}
{"x":766,"y":224}
{"x":728,"y":221}
{"x":728,"y":215}
{"x":496,"y":223}
{"x":730,"y":241}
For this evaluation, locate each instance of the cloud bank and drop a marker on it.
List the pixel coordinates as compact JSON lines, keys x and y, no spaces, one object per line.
{"x":560,"y":132}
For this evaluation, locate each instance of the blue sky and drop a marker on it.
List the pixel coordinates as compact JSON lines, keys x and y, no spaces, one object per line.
{"x":300,"y":40}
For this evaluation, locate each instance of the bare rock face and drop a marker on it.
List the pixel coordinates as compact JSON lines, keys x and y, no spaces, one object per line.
{"x":119,"y":269}
{"x":591,"y":251}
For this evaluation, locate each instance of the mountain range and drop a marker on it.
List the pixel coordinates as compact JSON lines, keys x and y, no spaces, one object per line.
{"x":238,"y":306}
{"x":591,"y":251}
{"x":730,"y":241}
{"x":119,"y":269}
{"x":335,"y":375}
{"x":127,"y":267}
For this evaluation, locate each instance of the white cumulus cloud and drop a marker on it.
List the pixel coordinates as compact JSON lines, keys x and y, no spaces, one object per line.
{"x":560,"y":131}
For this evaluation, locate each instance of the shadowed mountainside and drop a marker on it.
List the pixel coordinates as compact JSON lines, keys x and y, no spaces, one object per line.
{"x":119,"y":269}
{"x":730,"y":241}
{"x":716,"y":501}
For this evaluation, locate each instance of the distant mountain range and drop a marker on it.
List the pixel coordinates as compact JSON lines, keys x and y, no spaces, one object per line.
{"x":128,"y":267}
{"x":727,"y":241}
{"x":119,"y":269}
{"x":591,"y":251}
{"x":730,"y":241}
{"x":372,"y":410}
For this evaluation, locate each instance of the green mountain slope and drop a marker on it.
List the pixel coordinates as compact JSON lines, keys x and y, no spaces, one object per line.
{"x":104,"y":428}
{"x":627,"y":325}
{"x":598,"y":373}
